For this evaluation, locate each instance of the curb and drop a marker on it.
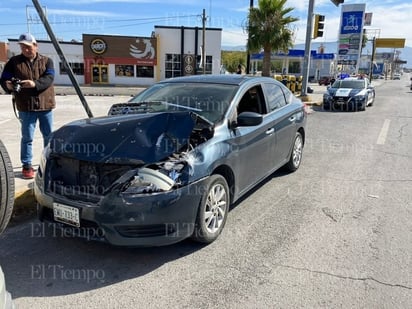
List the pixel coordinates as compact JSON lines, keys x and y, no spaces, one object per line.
{"x":311,"y":103}
{"x":25,"y":207}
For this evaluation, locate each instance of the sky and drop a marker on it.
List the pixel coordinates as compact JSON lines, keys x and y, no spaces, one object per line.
{"x":70,"y":18}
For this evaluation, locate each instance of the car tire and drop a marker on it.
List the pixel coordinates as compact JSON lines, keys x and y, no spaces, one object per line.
{"x":295,"y":154}
{"x":6,"y":187}
{"x":363,"y":108}
{"x":373,"y":100}
{"x":213,"y":210}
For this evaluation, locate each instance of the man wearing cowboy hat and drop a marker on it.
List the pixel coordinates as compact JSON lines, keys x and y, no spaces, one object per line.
{"x":29,"y":78}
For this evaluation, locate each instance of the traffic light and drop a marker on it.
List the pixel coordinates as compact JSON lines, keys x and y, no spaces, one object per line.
{"x":337,"y":2}
{"x":318,"y":27}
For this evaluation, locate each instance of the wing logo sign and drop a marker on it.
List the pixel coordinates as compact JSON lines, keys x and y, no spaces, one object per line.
{"x":352,"y":22}
{"x":143,"y":50}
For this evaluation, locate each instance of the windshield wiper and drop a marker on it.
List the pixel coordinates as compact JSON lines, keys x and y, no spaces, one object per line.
{"x":182,"y":106}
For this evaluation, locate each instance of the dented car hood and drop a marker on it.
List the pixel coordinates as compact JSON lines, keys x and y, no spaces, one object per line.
{"x":127,"y":139}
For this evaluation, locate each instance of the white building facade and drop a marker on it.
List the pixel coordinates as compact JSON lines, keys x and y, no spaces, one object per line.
{"x":131,"y":61}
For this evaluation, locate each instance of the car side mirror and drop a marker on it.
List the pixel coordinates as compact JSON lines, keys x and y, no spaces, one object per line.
{"x":249,"y":119}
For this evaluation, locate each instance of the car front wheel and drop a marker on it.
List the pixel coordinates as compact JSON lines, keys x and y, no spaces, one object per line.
{"x":296,"y":154}
{"x":6,"y":187}
{"x":213,"y":210}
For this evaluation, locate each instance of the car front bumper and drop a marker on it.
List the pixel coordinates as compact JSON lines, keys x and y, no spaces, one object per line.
{"x":348,"y":103}
{"x":154,"y":219}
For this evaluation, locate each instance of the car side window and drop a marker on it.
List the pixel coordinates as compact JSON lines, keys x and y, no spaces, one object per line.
{"x":252,"y":101}
{"x":275,"y":96}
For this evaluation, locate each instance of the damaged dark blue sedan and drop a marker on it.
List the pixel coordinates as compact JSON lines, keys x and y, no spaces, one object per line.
{"x":167,"y":165}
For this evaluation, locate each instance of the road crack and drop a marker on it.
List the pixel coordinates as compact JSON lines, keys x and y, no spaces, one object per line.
{"x":393,"y":285}
{"x":401,"y":132}
{"x":334,"y":215}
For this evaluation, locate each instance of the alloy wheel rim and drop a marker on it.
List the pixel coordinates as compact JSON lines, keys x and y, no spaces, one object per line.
{"x":297,"y":151}
{"x":215,"y":210}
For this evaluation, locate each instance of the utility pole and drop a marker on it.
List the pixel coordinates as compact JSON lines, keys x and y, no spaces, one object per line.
{"x":248,"y":52}
{"x":372,"y":58}
{"x":203,"y":41}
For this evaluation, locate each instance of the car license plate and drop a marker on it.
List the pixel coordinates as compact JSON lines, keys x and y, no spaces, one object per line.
{"x":66,"y":214}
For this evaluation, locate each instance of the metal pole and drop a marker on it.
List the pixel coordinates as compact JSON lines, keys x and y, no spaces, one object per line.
{"x":62,"y":57}
{"x":248,"y":52}
{"x":203,"y":41}
{"x":306,"y":59}
{"x":372,"y":57}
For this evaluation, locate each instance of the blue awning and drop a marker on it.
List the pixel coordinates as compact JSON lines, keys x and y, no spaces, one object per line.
{"x":296,"y":53}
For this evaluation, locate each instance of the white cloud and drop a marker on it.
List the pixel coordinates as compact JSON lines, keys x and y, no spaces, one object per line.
{"x":234,"y":37}
{"x":81,"y":13}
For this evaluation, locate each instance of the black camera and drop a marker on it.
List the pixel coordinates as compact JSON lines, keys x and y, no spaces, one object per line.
{"x":16,"y":84}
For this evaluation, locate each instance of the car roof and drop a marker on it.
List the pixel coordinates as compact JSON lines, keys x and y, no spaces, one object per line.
{"x":228,"y":79}
{"x":354,"y":78}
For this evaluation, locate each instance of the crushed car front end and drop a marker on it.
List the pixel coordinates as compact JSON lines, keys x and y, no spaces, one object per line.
{"x":124,"y":218}
{"x":133,"y":185}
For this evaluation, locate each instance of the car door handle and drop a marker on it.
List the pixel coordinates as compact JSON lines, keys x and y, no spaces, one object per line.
{"x":291,"y":119}
{"x":270,"y":131}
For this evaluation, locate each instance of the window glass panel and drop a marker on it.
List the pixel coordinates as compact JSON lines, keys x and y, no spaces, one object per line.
{"x":172,"y":65}
{"x":144,"y":71}
{"x":77,"y":68}
{"x":275,"y":96}
{"x":124,"y":70}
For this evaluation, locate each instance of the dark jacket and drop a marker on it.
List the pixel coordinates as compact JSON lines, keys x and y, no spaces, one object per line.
{"x":41,"y":71}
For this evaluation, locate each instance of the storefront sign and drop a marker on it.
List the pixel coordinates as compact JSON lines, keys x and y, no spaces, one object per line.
{"x":350,"y":34}
{"x":121,"y":49}
{"x":98,"y":46}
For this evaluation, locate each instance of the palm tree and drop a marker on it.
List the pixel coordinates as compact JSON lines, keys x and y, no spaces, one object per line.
{"x":269,"y":29}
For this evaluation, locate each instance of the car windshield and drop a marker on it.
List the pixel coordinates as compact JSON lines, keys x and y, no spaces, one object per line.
{"x":208,"y":100}
{"x":352,"y":84}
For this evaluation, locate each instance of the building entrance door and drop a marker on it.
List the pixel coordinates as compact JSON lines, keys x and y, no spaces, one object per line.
{"x":100,"y":74}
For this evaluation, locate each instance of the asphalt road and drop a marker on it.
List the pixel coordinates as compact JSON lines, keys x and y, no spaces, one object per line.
{"x":335,"y":234}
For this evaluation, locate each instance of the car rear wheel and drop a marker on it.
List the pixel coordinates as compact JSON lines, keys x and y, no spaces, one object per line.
{"x":6,"y":187}
{"x":213,"y":210}
{"x":296,"y":154}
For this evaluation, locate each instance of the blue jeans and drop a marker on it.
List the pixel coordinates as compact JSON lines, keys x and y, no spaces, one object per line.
{"x":28,"y":125}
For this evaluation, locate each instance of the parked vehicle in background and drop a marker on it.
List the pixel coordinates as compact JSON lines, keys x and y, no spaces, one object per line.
{"x":325,"y":80}
{"x":397,"y":76}
{"x":351,"y":93}
{"x":167,"y":164}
